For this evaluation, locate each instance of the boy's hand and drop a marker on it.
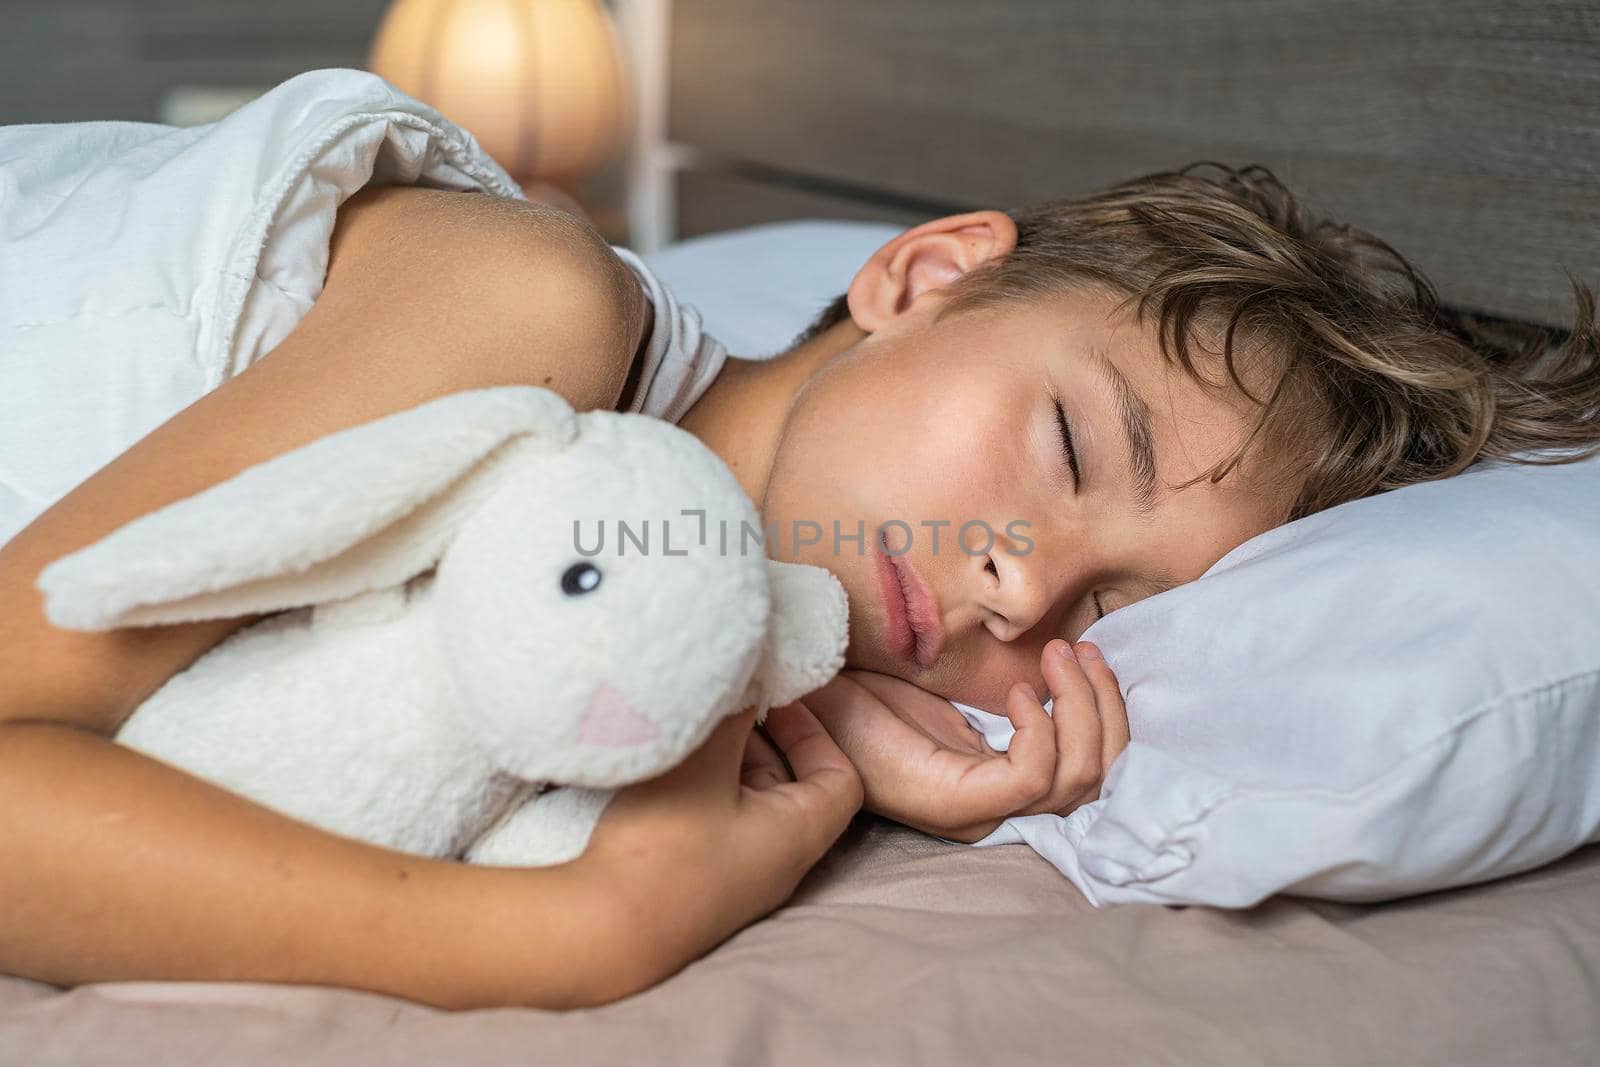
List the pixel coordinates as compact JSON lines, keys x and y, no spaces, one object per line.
{"x":922,"y":764}
{"x":722,"y":839}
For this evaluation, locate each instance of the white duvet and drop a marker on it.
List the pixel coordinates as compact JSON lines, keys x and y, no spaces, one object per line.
{"x":142,"y":265}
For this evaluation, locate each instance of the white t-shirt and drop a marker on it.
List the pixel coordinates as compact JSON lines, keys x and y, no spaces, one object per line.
{"x":680,"y":360}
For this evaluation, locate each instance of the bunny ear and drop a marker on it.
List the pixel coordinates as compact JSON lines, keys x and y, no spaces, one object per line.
{"x":807,"y":634}
{"x":360,"y":509}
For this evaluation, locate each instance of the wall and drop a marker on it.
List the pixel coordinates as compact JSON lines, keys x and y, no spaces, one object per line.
{"x":71,"y":60}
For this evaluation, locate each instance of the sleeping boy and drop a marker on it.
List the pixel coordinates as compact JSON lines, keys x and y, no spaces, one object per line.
{"x":1053,"y":413}
{"x":1010,"y":425}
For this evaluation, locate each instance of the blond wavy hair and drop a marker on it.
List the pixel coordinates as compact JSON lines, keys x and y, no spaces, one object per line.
{"x":1377,"y":385}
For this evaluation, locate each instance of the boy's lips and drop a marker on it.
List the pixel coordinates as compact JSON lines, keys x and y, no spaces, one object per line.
{"x":912,"y":614}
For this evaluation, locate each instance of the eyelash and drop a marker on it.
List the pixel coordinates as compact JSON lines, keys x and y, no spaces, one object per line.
{"x":1072,"y":463}
{"x":1066,"y":444}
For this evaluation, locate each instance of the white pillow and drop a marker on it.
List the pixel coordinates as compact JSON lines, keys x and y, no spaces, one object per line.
{"x":1395,"y":695}
{"x":758,"y":287}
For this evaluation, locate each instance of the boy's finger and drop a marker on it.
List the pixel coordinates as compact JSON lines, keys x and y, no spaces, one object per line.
{"x":1109,"y":703}
{"x":1031,"y":756}
{"x":716,"y":763}
{"x":974,"y":790}
{"x":827,"y":791}
{"x":804,"y":743}
{"x":727,"y":742}
{"x":762,"y":765}
{"x":1077,"y":723}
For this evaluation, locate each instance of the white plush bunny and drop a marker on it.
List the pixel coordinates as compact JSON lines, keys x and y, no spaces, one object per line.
{"x":448,"y":640}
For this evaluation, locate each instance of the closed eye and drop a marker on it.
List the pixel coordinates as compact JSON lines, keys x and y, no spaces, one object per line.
{"x":1099,"y":613}
{"x":1067,"y":449}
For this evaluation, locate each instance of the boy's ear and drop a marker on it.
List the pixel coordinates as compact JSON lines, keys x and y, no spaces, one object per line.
{"x":925,"y":258}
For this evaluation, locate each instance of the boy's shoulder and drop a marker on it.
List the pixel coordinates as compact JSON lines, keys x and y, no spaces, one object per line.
{"x":495,"y":276}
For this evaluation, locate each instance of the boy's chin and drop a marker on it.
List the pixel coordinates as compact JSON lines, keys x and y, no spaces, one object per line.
{"x":881,"y":660}
{"x":877,"y":659}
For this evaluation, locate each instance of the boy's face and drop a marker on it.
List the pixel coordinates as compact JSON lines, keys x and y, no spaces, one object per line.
{"x":918,"y":423}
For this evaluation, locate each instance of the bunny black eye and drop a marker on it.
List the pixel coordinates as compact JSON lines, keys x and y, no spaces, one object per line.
{"x":580,"y":578}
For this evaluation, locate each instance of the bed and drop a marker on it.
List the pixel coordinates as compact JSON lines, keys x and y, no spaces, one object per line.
{"x":1461,"y":132}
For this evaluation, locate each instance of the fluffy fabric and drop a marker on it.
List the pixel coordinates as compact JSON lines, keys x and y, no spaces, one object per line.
{"x":467,"y":614}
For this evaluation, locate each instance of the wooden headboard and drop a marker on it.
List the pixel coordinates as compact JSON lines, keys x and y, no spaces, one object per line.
{"x":1466,"y":133}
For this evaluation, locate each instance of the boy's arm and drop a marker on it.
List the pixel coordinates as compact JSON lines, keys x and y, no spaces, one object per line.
{"x":118,"y":865}
{"x":923,"y":765}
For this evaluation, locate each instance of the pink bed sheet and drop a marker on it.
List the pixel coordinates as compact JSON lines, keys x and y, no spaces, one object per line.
{"x":901,"y":949}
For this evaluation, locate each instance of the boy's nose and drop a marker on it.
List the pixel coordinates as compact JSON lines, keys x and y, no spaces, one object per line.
{"x":1019,"y":584}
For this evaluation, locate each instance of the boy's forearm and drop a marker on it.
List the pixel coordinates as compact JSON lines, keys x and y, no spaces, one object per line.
{"x":115,"y":866}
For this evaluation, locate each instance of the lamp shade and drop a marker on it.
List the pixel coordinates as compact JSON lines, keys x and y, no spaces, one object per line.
{"x":541,"y":84}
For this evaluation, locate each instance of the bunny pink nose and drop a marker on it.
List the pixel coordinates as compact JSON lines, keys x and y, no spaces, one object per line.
{"x":609,"y":720}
